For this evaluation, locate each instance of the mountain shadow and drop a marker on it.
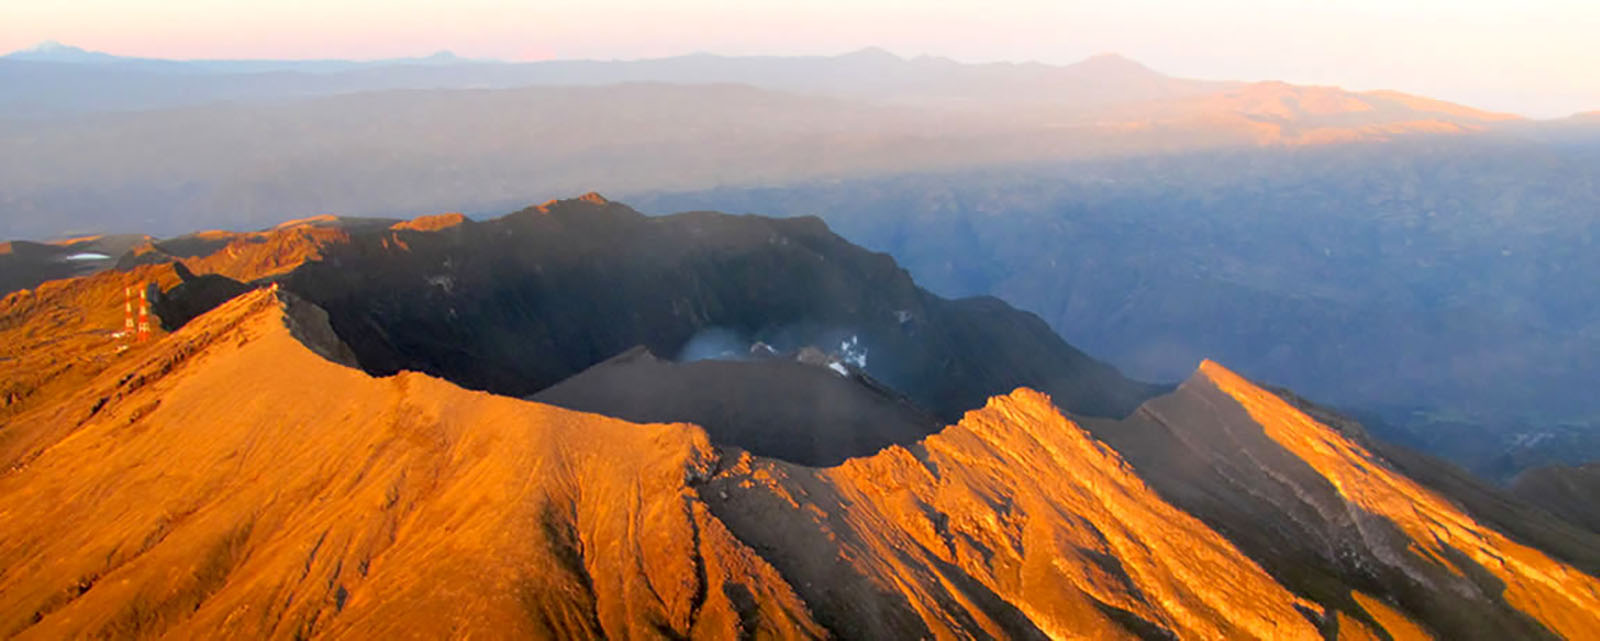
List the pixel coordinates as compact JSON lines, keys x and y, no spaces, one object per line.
{"x":518,"y":304}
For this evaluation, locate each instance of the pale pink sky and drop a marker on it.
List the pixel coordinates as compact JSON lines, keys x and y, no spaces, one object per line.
{"x":1536,"y":57}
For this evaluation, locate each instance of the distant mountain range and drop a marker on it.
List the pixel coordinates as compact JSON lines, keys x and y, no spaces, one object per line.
{"x":53,"y":79}
{"x":56,"y":78}
{"x":56,"y":52}
{"x":104,"y":144}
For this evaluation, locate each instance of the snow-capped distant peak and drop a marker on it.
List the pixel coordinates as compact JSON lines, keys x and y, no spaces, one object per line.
{"x":52,"y":51}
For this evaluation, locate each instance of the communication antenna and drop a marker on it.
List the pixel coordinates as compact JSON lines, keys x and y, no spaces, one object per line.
{"x":144,"y":315}
{"x":127,"y":319}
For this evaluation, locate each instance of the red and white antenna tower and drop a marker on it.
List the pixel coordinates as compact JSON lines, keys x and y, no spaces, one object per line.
{"x":144,"y":315}
{"x":127,"y":317}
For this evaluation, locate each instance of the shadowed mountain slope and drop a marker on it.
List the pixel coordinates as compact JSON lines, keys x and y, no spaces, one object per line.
{"x":1569,"y":491}
{"x":520,"y":303}
{"x":192,"y":296}
{"x":24,"y":265}
{"x":801,"y":412}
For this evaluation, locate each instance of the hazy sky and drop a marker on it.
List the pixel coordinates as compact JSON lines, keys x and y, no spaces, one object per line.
{"x":1536,"y":57}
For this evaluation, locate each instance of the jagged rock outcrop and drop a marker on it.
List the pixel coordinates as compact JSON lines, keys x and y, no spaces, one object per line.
{"x":192,"y":296}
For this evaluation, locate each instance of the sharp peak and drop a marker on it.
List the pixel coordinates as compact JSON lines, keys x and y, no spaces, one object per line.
{"x":1213,"y":370}
{"x":309,"y":220}
{"x":640,"y":353}
{"x":589,"y":202}
{"x":51,"y":50}
{"x":1210,"y":372}
{"x":592,"y":198}
{"x":1020,"y":400}
{"x":1023,"y":394}
{"x":431,"y":222}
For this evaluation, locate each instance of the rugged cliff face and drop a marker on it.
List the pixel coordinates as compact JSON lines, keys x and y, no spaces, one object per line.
{"x":228,"y":481}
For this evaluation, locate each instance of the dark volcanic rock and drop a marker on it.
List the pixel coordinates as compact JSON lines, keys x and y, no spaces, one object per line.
{"x":194,"y":296}
{"x":800,"y":412}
